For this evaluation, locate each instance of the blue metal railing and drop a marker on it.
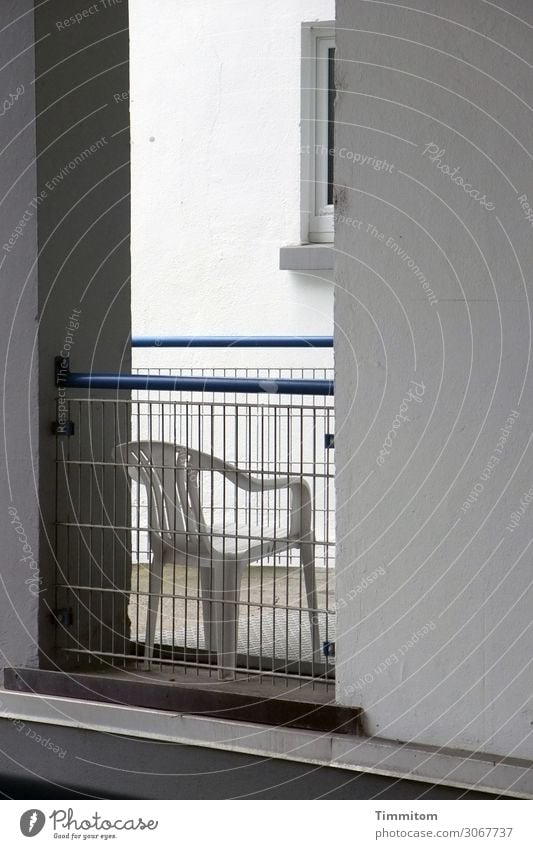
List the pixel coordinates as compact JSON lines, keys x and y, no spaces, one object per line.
{"x":146,"y":382}
{"x":67,"y":379}
{"x":232,"y":342}
{"x":281,"y":386}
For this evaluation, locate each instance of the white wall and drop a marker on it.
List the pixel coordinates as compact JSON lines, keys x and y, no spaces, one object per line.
{"x":458,"y":75}
{"x":215,"y":110}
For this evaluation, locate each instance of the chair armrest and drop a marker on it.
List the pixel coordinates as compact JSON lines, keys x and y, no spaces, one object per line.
{"x":301,"y":507}
{"x":301,"y":502}
{"x":243,"y":480}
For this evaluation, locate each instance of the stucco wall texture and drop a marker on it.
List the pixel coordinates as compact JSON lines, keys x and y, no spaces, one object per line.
{"x":433,"y":379}
{"x":18,"y":327}
{"x":64,"y":252}
{"x":215,"y":111}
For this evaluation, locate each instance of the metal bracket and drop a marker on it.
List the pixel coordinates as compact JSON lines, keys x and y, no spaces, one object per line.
{"x":63,"y":428}
{"x":63,"y":616}
{"x":328,"y":649}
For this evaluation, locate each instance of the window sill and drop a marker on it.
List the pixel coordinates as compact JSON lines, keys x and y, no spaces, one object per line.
{"x":311,"y":257}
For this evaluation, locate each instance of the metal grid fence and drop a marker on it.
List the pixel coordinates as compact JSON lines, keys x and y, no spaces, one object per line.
{"x":234,"y":495}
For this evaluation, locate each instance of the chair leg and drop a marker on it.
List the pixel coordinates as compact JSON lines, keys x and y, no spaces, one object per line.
{"x":227,"y":593}
{"x":208,"y":609}
{"x":307,"y":560}
{"x":155,"y":581}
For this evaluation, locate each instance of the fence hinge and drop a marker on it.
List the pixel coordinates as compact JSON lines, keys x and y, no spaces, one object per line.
{"x":63,"y":426}
{"x":328,"y":649}
{"x":63,"y":616}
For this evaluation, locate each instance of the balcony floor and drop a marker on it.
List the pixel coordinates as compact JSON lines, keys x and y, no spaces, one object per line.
{"x":268,"y":631}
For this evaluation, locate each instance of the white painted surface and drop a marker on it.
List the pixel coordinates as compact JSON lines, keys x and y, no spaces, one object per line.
{"x":215,"y":112}
{"x":460,"y":78}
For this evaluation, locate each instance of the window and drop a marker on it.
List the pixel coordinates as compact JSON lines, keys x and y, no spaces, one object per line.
{"x":317,"y":136}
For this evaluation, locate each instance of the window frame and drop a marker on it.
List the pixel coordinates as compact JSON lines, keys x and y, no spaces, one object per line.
{"x":317,"y":215}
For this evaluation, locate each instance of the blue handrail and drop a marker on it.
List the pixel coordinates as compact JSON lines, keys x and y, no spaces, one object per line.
{"x":232,"y":342}
{"x":280,"y":386}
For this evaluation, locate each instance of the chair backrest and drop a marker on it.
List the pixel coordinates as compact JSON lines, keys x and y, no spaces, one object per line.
{"x":171,"y":476}
{"x":170,"y":479}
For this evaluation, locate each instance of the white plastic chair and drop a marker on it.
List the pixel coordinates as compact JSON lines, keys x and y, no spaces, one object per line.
{"x":171,"y":476}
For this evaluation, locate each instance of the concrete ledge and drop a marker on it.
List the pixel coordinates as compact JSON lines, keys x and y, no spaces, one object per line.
{"x":313,"y":709}
{"x":504,"y":776}
{"x":307,"y":258}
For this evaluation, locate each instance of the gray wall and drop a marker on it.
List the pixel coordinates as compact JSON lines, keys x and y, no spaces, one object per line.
{"x":49,"y":761}
{"x":437,"y":647}
{"x":18,"y":328}
{"x":84,"y":264}
{"x":72,"y":254}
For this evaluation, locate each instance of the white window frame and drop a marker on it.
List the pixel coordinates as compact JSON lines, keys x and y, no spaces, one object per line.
{"x":317,"y":215}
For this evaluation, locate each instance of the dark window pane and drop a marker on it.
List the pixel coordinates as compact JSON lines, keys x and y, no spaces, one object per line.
{"x":331,"y":120}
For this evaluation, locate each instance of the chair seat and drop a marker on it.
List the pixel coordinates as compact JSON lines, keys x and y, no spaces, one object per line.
{"x":254,"y":541}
